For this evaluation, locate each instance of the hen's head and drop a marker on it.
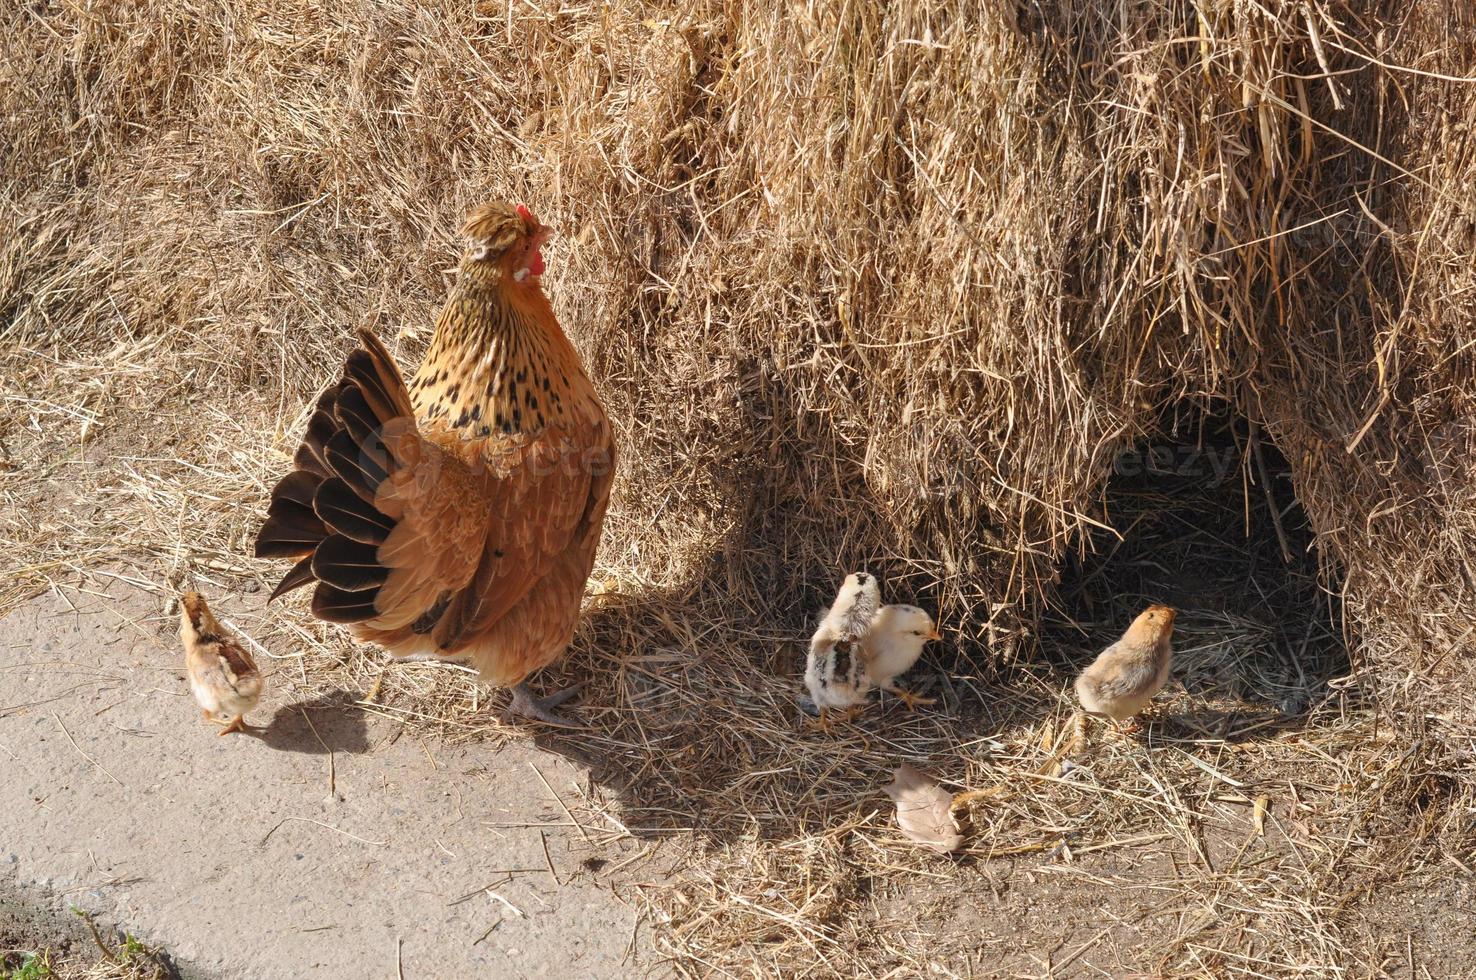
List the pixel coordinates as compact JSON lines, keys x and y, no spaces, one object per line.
{"x":505,"y":237}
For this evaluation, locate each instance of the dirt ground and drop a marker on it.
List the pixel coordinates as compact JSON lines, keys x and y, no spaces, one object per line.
{"x":330,"y":843}
{"x":413,"y":853}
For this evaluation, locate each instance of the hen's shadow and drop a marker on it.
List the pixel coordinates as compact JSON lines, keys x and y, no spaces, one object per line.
{"x":329,"y":722}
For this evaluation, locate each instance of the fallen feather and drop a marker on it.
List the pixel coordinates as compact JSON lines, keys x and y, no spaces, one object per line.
{"x":922,"y":810}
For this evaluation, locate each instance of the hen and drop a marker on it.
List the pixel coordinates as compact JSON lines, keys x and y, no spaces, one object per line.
{"x":457,"y":516}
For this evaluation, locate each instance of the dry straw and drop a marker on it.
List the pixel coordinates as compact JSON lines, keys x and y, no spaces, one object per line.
{"x":863,"y":285}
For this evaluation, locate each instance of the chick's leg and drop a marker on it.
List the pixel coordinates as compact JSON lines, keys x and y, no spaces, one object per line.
{"x":236,"y":724}
{"x":908,"y":698}
{"x":541,"y":709}
{"x":829,"y":718}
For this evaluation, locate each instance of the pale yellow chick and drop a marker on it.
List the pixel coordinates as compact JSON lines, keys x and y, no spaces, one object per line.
{"x":892,"y":645}
{"x":223,"y":677}
{"x":1126,"y":675}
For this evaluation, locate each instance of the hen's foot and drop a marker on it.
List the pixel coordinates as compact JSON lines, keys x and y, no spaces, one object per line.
{"x":524,"y":703}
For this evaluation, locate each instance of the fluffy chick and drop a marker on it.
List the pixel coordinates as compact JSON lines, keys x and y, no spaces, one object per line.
{"x":223,"y":676}
{"x":835,"y":671}
{"x":892,"y":645}
{"x":1126,"y":675}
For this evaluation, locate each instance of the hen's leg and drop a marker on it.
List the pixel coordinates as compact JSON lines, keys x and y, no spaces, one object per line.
{"x":541,"y":709}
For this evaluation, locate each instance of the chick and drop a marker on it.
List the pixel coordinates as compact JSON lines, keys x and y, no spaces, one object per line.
{"x":892,"y":645}
{"x":223,"y":676}
{"x":1126,"y":675}
{"x":835,"y":672}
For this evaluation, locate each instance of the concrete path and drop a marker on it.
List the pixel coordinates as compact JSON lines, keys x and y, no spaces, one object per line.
{"x":425,"y":861}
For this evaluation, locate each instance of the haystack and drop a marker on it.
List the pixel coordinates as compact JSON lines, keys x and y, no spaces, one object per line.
{"x":893,"y":286}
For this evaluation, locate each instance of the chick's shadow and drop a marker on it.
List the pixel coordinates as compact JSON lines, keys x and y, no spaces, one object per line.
{"x":330,"y":722}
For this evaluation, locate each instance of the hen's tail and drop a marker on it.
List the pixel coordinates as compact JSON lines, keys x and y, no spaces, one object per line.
{"x":323,"y":513}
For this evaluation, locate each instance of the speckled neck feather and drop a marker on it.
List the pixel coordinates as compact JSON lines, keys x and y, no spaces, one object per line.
{"x":499,"y":361}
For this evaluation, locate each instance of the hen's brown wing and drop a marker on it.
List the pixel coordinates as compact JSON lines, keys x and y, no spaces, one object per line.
{"x":478,"y":525}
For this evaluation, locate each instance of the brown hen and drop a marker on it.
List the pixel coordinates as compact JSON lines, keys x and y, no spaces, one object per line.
{"x":458,"y":516}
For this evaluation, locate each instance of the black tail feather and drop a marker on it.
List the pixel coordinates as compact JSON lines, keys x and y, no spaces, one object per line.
{"x":295,"y":519}
{"x":323,"y":513}
{"x":363,"y":468}
{"x":298,"y":486}
{"x":348,"y":564}
{"x":301,"y":574}
{"x":290,"y":530}
{"x":359,"y":371}
{"x":347,"y":513}
{"x":338,"y":606}
{"x":353,"y":412}
{"x":311,"y":456}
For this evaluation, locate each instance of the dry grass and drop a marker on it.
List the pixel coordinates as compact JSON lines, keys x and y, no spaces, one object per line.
{"x":889,"y":287}
{"x":101,"y":959}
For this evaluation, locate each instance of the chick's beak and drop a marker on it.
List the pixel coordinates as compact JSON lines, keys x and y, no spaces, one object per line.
{"x":935,"y":635}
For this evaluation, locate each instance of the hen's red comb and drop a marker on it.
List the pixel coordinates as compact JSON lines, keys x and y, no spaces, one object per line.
{"x":525,"y":214}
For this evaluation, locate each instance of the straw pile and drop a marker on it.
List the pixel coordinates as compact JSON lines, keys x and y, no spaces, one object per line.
{"x":885,"y":286}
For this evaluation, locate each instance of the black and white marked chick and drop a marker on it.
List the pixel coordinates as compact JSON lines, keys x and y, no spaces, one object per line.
{"x":835,"y":671}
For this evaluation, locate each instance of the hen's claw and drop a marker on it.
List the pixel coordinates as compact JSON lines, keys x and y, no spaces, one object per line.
{"x":524,"y":703}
